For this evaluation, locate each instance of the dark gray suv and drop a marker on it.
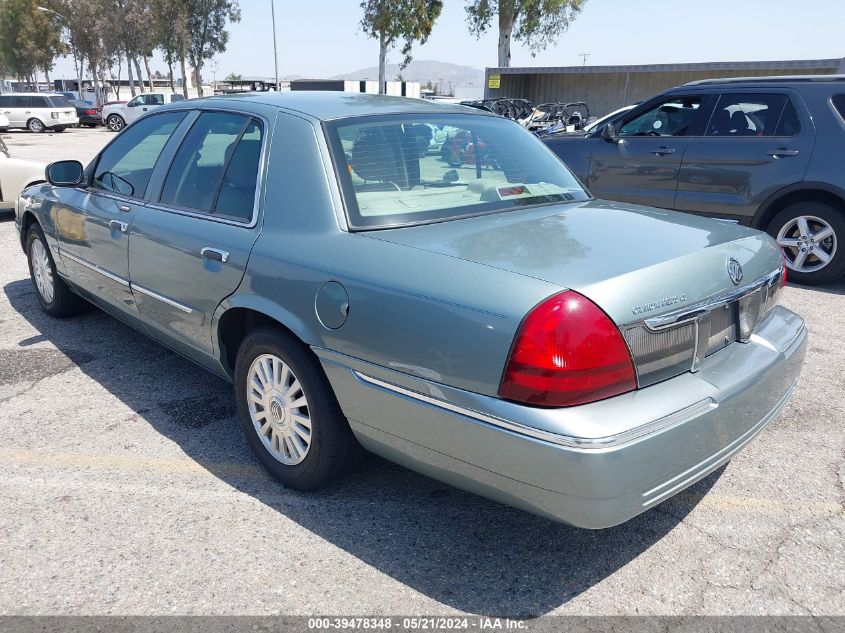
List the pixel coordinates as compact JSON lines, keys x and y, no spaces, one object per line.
{"x":768,"y":152}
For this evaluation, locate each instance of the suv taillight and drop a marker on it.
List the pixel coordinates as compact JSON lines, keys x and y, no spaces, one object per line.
{"x":567,"y":351}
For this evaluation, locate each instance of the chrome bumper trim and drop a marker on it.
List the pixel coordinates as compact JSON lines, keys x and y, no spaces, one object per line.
{"x":687,"y":313}
{"x":673,"y":419}
{"x":94,"y":267}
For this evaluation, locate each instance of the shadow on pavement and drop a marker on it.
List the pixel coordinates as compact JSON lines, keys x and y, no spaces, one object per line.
{"x":464,"y":551}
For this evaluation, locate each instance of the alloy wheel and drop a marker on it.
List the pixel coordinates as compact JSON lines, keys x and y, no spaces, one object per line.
{"x":808,"y":243}
{"x":35,"y":125}
{"x":278,"y":408}
{"x":42,"y":272}
{"x":115,"y":123}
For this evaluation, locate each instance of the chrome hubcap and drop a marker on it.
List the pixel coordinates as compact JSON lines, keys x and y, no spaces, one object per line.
{"x":808,"y":243}
{"x":115,"y":123}
{"x":41,"y":271}
{"x":279,"y":409}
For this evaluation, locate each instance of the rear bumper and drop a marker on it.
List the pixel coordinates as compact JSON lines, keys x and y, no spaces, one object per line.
{"x":592,"y":466}
{"x":61,"y":122}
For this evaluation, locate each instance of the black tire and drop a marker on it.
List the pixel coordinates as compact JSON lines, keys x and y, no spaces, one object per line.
{"x":835,"y":219}
{"x":35,"y":125}
{"x":64,"y":302}
{"x":333,"y":449}
{"x":115,"y":122}
{"x":58,"y":128}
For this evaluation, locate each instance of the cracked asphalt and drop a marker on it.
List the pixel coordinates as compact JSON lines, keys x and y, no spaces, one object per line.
{"x":127,"y":488}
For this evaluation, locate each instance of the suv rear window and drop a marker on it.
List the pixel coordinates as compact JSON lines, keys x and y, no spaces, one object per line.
{"x":751,"y":114}
{"x":839,"y":104}
{"x":407,"y":169}
{"x":59,"y":102}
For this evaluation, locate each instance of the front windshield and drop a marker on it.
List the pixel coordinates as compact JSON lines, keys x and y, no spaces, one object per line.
{"x":407,"y":169}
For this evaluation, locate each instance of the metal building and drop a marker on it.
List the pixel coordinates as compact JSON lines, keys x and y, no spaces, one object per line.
{"x":606,"y":88}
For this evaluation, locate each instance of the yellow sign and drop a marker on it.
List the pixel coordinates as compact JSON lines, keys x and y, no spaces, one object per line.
{"x":494,"y":81}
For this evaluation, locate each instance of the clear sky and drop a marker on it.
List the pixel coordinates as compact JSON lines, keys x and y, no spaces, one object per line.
{"x":321,"y":38}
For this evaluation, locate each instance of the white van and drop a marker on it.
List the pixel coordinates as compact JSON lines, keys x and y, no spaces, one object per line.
{"x":38,"y":112}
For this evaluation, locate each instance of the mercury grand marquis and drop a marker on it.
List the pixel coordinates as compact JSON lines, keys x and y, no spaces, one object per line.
{"x":431,"y":284}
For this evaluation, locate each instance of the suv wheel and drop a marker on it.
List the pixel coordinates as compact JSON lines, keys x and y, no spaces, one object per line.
{"x":289,"y":413}
{"x":35,"y":125}
{"x":811,"y":235}
{"x":115,"y":122}
{"x":55,"y":297}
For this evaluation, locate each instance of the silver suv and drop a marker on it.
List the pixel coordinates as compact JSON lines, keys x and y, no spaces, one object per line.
{"x":766,"y":152}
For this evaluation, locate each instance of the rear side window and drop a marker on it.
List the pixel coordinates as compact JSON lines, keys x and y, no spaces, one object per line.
{"x":216,"y":168}
{"x":176,"y":97}
{"x":125,"y":166}
{"x":789,"y":125}
{"x":154,"y":99}
{"x":59,"y":102}
{"x":752,"y":114}
{"x":839,"y":104}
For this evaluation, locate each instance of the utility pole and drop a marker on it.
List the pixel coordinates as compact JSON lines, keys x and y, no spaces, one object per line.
{"x":275,"y":53}
{"x":584,"y":57}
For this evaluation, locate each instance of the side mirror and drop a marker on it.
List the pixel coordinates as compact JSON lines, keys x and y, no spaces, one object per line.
{"x":65,"y":173}
{"x":609,"y":133}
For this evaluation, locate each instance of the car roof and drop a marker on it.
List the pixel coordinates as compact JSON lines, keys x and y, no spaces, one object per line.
{"x":776,"y":79}
{"x":326,"y":105}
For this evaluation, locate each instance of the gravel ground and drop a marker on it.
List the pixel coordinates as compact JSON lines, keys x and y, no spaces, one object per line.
{"x":127,"y":488}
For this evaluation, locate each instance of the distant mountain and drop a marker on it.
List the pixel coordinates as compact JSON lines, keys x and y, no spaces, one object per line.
{"x":465,"y":81}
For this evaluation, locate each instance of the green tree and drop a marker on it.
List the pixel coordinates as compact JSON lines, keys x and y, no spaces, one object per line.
{"x":171,"y":23}
{"x":206,"y":31}
{"x":30,"y":38}
{"x":391,"y":21}
{"x":533,"y":23}
{"x":232,"y":77}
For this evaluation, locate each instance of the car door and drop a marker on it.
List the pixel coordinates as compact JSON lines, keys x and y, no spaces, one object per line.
{"x":17,"y":110}
{"x":134,"y":108}
{"x":754,"y":143}
{"x":93,"y":221}
{"x":6,"y":107}
{"x":189,"y":248}
{"x":642,"y":164}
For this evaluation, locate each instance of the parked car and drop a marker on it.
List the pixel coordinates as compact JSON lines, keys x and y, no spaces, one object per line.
{"x":38,"y":112}
{"x":89,"y":115}
{"x":492,"y":326}
{"x":117,"y":115}
{"x":16,"y":175}
{"x":765,"y":152}
{"x":592,"y":125}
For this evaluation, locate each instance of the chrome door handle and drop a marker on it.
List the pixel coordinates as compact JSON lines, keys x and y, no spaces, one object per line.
{"x":117,"y":225}
{"x":215,"y":253}
{"x":125,"y":208}
{"x":782,"y":152}
{"x":663,"y":151}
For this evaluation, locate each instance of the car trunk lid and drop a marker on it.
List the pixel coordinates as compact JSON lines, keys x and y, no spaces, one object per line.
{"x":644,"y":267}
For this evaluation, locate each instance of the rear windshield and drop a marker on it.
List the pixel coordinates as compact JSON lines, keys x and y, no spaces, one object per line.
{"x":406,"y":169}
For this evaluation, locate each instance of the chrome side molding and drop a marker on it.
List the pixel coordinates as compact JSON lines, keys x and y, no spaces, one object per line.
{"x":673,"y":419}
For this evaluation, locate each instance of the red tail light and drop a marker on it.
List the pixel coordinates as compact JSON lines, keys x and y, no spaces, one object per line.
{"x":91,"y":111}
{"x":783,"y":269}
{"x":567,"y":352}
